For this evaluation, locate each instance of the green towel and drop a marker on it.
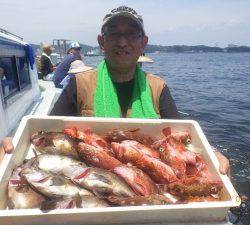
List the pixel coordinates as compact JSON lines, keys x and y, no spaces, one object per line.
{"x":106,"y":102}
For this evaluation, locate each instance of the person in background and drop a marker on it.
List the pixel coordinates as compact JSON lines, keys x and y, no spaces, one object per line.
{"x":76,"y":66}
{"x":47,"y":67}
{"x":119,"y":87}
{"x":73,"y":53}
{"x":6,"y":84}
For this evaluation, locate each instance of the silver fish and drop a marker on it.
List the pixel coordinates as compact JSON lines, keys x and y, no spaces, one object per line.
{"x":102,"y":182}
{"x":92,"y":202}
{"x":57,"y":164}
{"x":55,"y":143}
{"x":74,"y":202}
{"x":20,"y":194}
{"x":50,"y":185}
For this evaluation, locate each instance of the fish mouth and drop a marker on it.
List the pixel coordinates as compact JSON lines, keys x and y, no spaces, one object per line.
{"x":38,"y":141}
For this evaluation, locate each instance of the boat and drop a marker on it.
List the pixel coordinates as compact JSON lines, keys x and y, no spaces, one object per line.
{"x":20,"y":91}
{"x":93,"y":52}
{"x":145,"y":59}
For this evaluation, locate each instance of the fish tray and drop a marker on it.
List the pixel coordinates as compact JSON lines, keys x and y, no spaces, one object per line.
{"x":190,"y":212}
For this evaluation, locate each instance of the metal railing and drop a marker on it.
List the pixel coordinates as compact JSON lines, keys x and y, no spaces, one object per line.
{"x":9,"y":33}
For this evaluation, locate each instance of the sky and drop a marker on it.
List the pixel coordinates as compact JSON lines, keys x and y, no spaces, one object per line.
{"x":167,"y":22}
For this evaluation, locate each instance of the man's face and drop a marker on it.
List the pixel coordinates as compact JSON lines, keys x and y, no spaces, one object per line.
{"x":76,"y":51}
{"x":48,"y":51}
{"x":122,"y":43}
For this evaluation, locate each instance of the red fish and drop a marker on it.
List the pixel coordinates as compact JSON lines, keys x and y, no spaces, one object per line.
{"x":140,"y":182}
{"x":89,"y":137}
{"x":195,"y":186}
{"x":97,"y":156}
{"x":174,"y":159}
{"x":130,"y":134}
{"x":157,"y":170}
{"x":183,"y":137}
{"x":142,"y":148}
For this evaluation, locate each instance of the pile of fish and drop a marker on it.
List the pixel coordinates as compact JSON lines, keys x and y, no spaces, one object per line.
{"x":80,"y":169}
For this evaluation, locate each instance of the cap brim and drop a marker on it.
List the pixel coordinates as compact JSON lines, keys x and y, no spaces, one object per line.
{"x":76,"y":48}
{"x":124,"y":14}
{"x":80,"y":70}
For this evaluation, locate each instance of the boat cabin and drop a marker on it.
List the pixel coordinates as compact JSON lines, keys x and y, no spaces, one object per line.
{"x":18,"y":81}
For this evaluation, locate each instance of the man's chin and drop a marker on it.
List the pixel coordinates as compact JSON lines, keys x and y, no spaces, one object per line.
{"x":124,"y":65}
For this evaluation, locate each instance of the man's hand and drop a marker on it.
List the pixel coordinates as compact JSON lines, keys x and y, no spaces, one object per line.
{"x":6,"y":147}
{"x":224,"y":163}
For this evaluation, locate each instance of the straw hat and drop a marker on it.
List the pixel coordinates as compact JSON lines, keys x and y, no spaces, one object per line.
{"x":144,"y":59}
{"x":78,"y":66}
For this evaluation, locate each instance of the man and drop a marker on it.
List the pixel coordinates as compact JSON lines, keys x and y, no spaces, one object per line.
{"x":47,"y":67}
{"x":119,"y":88}
{"x":122,"y":40}
{"x":74,"y":53}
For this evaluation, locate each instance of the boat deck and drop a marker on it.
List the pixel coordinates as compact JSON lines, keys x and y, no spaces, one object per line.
{"x":49,"y":95}
{"x":44,"y":104}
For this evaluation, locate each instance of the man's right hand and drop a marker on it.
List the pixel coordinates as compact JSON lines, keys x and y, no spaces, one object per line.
{"x":6,"y":147}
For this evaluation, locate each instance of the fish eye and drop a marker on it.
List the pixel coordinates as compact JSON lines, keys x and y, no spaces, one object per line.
{"x":214,"y":190}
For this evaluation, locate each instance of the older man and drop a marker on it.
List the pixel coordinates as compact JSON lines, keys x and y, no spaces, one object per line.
{"x":47,"y":67}
{"x":119,"y":87}
{"x":130,"y":92}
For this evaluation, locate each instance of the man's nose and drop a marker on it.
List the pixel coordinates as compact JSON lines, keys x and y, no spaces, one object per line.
{"x":122,"y":41}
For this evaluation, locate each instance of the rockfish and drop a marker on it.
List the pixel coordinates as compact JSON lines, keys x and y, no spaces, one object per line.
{"x":51,"y":185}
{"x":20,"y":194}
{"x":55,"y":143}
{"x":102,"y":182}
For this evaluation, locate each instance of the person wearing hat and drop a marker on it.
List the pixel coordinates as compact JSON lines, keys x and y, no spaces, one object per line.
{"x":73,"y":53}
{"x":119,"y":87}
{"x":76,"y":66}
{"x":131,"y":91}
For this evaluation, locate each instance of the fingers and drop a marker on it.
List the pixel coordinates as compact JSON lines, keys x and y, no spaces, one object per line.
{"x":1,"y":153}
{"x":224,"y":163}
{"x":7,"y":145}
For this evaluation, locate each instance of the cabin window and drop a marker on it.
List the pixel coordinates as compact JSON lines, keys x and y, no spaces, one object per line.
{"x":8,"y":75}
{"x":14,"y":75}
{"x":23,"y":71}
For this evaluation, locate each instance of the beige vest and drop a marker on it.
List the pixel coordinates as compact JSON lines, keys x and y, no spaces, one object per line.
{"x":86,"y":83}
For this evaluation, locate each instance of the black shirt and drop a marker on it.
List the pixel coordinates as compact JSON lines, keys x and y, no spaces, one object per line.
{"x":66,"y":105}
{"x":46,"y":66}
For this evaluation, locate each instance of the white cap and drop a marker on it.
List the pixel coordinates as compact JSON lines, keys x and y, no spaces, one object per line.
{"x":74,"y":45}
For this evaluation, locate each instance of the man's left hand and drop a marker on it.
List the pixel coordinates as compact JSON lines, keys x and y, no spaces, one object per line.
{"x":224,"y":163}
{"x":5,"y":147}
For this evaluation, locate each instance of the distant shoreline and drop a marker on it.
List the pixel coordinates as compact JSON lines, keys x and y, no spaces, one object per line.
{"x":195,"y":49}
{"x":172,"y":49}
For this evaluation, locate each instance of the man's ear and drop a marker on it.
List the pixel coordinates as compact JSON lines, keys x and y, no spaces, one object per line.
{"x":100,"y":40}
{"x":144,"y":41}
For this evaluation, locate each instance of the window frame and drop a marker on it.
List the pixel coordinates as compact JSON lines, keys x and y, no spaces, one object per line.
{"x":12,"y":97}
{"x":18,"y":75}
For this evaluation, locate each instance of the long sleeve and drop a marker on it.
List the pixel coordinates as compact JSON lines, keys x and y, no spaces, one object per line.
{"x":66,"y":105}
{"x":167,"y":106}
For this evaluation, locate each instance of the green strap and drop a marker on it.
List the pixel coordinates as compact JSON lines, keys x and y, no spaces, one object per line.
{"x":106,"y":102}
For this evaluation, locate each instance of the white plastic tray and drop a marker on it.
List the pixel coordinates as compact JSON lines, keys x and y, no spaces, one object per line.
{"x":191,"y":212}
